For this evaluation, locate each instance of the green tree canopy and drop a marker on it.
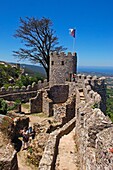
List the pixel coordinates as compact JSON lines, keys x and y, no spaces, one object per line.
{"x":39,"y":40}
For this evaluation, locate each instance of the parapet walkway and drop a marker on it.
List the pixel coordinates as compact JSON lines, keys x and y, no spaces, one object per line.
{"x":67,"y":159}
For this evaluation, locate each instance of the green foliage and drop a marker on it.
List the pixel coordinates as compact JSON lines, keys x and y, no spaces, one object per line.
{"x":17,"y":102}
{"x":109,"y":103}
{"x":30,"y":150}
{"x":26,"y":80}
{"x":6,"y":85}
{"x":110,"y":92}
{"x":25,"y":105}
{"x":3,"y":107}
{"x":8,"y":72}
{"x":95,"y":106}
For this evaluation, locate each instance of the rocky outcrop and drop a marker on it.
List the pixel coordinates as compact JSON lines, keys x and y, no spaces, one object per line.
{"x":8,"y":155}
{"x":9,"y":161}
{"x":9,"y":142}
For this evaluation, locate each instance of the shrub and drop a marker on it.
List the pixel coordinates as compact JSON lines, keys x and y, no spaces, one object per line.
{"x":3,"y":107}
{"x":17,"y":102}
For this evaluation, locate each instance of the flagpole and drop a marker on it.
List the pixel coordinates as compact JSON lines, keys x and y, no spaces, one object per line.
{"x":73,"y":44}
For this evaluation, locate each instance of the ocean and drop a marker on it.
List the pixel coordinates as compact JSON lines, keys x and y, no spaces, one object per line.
{"x":108,"y":71}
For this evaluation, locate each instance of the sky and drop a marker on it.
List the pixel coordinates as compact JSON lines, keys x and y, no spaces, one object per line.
{"x":92,"y":19}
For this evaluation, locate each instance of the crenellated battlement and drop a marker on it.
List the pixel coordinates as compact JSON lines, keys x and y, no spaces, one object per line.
{"x":93,"y":88}
{"x":91,"y":79}
{"x":16,"y":89}
{"x":24,"y":93}
{"x":63,"y":54}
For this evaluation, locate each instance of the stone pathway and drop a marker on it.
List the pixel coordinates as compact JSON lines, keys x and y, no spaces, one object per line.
{"x":22,"y":161}
{"x":66,"y":159}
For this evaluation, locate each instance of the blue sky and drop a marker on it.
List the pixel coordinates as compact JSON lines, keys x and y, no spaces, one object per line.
{"x":93,"y":20}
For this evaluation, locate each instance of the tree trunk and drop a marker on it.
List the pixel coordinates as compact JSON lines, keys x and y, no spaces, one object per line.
{"x":47,"y":72}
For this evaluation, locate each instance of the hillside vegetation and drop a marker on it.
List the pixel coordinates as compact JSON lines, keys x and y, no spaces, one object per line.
{"x":33,"y":69}
{"x":109,"y":103}
{"x":10,"y":75}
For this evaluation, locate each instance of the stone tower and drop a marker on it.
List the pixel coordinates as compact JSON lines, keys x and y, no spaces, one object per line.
{"x":62,"y":67}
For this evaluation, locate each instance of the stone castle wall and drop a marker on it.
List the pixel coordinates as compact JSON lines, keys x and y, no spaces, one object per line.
{"x":62,"y":66}
{"x":59,"y":93}
{"x":93,"y":88}
{"x":99,"y":85}
{"x":94,"y":134}
{"x":47,"y":105}
{"x":50,"y":152}
{"x":53,"y":100}
{"x":93,"y":130}
{"x":36,"y":102}
{"x":24,"y":93}
{"x":64,"y":112}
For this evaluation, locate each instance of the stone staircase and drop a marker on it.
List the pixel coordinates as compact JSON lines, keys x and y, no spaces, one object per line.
{"x":82,"y":98}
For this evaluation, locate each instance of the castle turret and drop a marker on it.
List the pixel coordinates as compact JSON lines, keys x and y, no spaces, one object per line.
{"x":62,"y":66}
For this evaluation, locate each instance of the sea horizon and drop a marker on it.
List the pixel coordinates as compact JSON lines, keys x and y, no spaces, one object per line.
{"x":107,"y":70}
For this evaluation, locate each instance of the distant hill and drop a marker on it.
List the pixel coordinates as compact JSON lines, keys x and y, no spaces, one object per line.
{"x":32,"y":69}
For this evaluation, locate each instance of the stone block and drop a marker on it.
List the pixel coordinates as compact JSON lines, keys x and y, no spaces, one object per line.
{"x":10,"y":89}
{"x":3,"y":89}
{"x":29,"y":87}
